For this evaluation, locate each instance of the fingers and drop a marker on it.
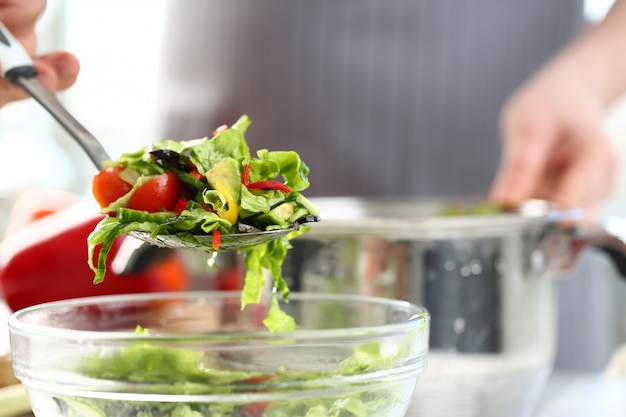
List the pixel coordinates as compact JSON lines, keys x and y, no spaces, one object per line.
{"x":528,"y":143}
{"x":9,"y":93}
{"x":20,"y":17}
{"x":57,"y":71}
{"x":570,"y":162}
{"x":588,"y":178}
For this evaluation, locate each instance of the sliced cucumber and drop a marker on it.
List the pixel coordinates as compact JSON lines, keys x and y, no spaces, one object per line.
{"x":126,"y":215}
{"x":192,"y":181}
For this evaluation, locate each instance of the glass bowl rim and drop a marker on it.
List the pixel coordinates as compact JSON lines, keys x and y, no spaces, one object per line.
{"x":419,"y":318}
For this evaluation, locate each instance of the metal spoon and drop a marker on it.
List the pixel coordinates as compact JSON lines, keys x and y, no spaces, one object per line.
{"x":18,"y":69}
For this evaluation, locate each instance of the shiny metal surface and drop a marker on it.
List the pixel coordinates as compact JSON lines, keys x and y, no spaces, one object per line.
{"x":234,"y":241}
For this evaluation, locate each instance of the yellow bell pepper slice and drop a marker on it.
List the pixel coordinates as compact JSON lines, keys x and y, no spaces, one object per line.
{"x":232,"y":208}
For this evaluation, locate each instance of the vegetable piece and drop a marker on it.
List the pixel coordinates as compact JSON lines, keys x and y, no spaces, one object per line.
{"x":227,"y":172}
{"x":127,"y":215}
{"x":269,"y":185}
{"x":277,"y":320}
{"x":184,"y":371}
{"x":291,"y":167}
{"x":107,"y":186}
{"x":217,"y":239}
{"x":471,"y":208}
{"x":194,"y":173}
{"x":280,"y":215}
{"x":171,"y":160}
{"x":245,"y":175}
{"x":220,"y":130}
{"x":251,"y":410}
{"x":231,"y":211}
{"x":180,"y":205}
{"x":160,"y":193}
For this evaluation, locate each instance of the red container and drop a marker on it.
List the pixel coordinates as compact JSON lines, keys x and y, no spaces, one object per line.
{"x":46,"y":260}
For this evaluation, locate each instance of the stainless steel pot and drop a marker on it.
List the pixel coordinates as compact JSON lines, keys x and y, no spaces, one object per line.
{"x":484,"y":279}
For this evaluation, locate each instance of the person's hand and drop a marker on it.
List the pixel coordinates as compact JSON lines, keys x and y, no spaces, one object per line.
{"x":57,"y":70}
{"x":555,"y":146}
{"x":554,"y":143}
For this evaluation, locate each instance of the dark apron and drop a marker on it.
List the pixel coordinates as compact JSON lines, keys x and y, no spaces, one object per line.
{"x":389,"y":97}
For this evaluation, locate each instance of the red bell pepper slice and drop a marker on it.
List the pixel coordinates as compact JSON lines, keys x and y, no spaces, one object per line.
{"x":217,"y":239}
{"x":269,"y":185}
{"x":194,"y":171}
{"x":245,"y":175}
{"x":254,"y":409}
{"x":180,"y":205}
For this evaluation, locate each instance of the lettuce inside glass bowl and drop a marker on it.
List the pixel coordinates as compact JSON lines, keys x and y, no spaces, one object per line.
{"x":199,"y":354}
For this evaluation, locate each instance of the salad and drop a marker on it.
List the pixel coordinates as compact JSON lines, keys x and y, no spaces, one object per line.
{"x":207,"y":187}
{"x":183,"y":372}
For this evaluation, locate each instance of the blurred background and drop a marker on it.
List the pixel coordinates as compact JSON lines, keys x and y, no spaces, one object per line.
{"x":115,"y":97}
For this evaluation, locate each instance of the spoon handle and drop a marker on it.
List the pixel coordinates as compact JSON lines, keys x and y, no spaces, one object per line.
{"x":18,"y":69}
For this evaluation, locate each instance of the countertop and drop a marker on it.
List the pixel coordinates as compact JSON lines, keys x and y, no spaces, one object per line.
{"x":570,"y":394}
{"x":575,"y":394}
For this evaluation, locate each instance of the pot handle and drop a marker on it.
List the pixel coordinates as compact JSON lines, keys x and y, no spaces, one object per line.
{"x":609,"y":237}
{"x":562,"y":244}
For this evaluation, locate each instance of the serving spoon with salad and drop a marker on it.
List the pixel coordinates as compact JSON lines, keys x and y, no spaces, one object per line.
{"x":18,"y":69}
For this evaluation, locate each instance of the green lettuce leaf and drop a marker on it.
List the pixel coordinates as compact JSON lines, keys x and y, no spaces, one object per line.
{"x":277,"y":321}
{"x":291,"y":167}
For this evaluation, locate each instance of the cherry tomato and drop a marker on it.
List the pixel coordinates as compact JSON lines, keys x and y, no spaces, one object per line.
{"x":161,"y":193}
{"x":107,"y":186}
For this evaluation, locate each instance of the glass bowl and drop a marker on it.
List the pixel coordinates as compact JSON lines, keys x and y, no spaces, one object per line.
{"x":199,"y":354}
